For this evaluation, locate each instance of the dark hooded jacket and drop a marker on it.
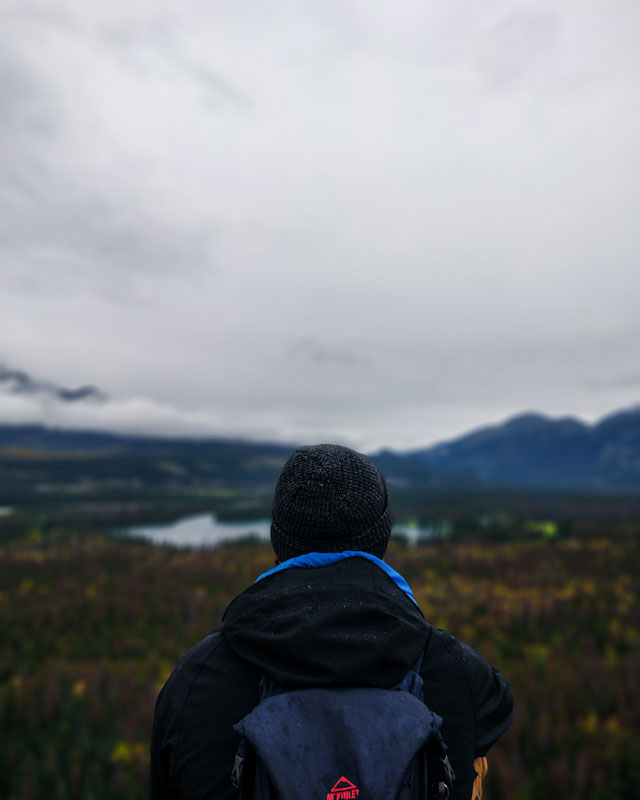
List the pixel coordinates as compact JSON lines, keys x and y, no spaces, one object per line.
{"x":348,"y":623}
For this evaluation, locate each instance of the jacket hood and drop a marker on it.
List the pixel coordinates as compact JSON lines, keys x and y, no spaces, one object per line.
{"x":346,"y":622}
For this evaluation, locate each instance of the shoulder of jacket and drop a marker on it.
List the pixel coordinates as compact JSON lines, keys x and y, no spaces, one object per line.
{"x":446,"y":640}
{"x":203,"y":649}
{"x":174,"y":693}
{"x":468,"y":658}
{"x":173,"y":698}
{"x":458,"y":654}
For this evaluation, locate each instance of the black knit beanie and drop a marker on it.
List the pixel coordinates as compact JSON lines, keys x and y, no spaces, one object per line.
{"x":329,"y":498}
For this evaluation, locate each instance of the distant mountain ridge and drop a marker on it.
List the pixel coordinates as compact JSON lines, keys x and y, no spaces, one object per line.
{"x":529,"y":450}
{"x":536,"y":451}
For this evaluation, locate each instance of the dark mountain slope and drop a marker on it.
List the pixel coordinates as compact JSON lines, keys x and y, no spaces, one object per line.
{"x":533,"y":450}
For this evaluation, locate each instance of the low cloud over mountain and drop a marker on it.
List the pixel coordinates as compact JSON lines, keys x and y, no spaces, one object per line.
{"x":527,"y":450}
{"x":16,"y":381}
{"x":25,"y":399}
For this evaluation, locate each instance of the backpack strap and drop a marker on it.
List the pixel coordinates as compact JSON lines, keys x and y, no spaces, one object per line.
{"x":439,"y":769}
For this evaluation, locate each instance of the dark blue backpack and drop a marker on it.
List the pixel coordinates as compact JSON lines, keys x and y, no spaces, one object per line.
{"x":342,"y":744}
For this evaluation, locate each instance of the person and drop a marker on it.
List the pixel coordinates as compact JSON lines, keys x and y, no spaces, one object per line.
{"x":331,"y":613}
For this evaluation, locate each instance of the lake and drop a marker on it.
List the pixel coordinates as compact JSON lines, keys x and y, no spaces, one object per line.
{"x":205,"y":530}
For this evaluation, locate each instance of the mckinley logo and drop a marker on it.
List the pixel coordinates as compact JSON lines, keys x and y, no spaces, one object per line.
{"x":343,"y":790}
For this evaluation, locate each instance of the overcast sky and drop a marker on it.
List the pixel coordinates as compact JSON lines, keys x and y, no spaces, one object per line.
{"x":376,"y":223}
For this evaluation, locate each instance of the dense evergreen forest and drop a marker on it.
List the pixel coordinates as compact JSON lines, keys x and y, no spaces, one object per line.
{"x":92,"y":626}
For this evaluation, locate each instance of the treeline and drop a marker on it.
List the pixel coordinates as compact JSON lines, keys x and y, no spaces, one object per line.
{"x":459,"y":513}
{"x":92,"y":627}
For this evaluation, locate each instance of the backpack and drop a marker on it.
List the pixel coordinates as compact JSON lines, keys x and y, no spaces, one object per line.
{"x":341,"y":744}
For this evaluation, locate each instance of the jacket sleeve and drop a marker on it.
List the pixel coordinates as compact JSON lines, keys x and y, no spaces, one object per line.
{"x":193,"y":745}
{"x":160,"y":786}
{"x":492,"y":699}
{"x":167,"y":758}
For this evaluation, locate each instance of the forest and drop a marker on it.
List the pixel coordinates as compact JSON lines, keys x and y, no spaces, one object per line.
{"x":92,"y":626}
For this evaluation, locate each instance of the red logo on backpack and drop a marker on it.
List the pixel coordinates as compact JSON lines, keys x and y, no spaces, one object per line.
{"x":343,"y":790}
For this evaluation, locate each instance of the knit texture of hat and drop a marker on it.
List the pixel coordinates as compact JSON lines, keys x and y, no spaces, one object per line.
{"x":328,"y":499}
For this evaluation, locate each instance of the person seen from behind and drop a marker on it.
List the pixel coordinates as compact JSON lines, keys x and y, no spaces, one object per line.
{"x":331,"y":613}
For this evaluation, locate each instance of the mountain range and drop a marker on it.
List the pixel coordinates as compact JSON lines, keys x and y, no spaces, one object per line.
{"x":529,"y":450}
{"x":534,"y":450}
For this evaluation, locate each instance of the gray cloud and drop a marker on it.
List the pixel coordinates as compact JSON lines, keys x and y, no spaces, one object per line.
{"x":629,"y":381}
{"x":146,"y":50}
{"x":15,"y":381}
{"x":308,"y":349}
{"x":331,"y":220}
